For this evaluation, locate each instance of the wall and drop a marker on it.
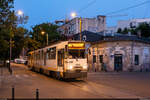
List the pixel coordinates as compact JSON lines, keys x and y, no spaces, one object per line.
{"x":128,"y":49}
{"x":97,"y":24}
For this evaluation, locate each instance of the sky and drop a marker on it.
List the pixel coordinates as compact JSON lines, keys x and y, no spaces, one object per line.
{"x":40,"y":11}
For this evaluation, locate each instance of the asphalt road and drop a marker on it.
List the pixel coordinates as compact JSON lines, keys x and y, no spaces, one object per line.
{"x":97,"y":85}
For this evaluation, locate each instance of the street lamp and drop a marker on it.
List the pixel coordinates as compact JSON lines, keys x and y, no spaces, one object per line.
{"x":43,"y":32}
{"x":73,"y":15}
{"x":20,"y":13}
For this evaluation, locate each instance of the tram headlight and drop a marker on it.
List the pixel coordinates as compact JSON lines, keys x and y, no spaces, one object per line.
{"x":84,"y":67}
{"x":70,"y":67}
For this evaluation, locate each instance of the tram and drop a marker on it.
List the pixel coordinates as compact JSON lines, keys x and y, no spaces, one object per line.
{"x":66,"y":59}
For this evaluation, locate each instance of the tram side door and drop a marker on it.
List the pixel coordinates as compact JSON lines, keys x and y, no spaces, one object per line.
{"x":60,"y":58}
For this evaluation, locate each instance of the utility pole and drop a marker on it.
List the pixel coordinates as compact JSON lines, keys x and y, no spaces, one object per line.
{"x":10,"y":50}
{"x":43,"y":32}
{"x":47,"y":38}
{"x":80,"y":28}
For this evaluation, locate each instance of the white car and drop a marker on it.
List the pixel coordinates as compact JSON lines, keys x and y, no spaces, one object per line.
{"x":20,"y":61}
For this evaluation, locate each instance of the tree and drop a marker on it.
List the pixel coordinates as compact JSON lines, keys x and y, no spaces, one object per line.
{"x":31,"y":44}
{"x":125,"y":31}
{"x":119,"y":30}
{"x":10,"y":33}
{"x":48,"y":28}
{"x":144,"y":29}
{"x":18,"y":41}
{"x":6,"y":23}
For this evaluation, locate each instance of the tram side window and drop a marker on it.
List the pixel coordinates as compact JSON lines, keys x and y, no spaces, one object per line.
{"x":94,"y":58}
{"x":101,"y":58}
{"x":60,"y":57}
{"x":52,"y":53}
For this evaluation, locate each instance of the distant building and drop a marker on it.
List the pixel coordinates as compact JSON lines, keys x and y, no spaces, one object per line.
{"x":132,"y":23}
{"x":112,"y":29}
{"x":72,"y":27}
{"x":122,"y":24}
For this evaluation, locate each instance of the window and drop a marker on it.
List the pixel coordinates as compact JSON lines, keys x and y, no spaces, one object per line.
{"x":76,"y":53}
{"x":89,"y":52}
{"x":60,"y":59}
{"x":101,"y":58}
{"x":136,"y":60}
{"x":94,"y":58}
{"x":51,"y":53}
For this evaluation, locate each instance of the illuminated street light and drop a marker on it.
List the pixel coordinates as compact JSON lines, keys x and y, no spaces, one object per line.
{"x":43,"y":32}
{"x":19,"y":12}
{"x":73,"y":14}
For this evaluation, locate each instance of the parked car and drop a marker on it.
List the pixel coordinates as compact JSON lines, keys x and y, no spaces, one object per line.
{"x":20,"y":61}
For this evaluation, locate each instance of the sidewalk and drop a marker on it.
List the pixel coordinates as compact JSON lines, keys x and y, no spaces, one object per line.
{"x":118,"y":73}
{"x":4,"y":73}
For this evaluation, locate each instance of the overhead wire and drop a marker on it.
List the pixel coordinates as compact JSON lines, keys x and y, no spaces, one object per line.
{"x":86,"y":6}
{"x":146,"y":11}
{"x":124,"y":9}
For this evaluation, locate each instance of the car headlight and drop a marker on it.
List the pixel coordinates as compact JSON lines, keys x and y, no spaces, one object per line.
{"x":84,"y":67}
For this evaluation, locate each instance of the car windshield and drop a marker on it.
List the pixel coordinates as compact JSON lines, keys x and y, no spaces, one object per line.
{"x":76,"y":53}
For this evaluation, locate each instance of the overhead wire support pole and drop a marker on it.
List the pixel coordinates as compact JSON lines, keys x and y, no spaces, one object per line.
{"x":47,"y":39}
{"x":80,"y":28}
{"x":10,"y":50}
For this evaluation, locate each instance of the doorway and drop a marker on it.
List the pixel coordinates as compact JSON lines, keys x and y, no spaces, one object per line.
{"x":118,"y":62}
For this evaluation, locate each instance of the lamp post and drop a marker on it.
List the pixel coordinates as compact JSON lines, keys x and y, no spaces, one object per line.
{"x":43,"y":32}
{"x":73,"y":15}
{"x":20,"y":13}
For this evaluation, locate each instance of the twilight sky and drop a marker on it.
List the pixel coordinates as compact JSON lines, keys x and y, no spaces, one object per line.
{"x":40,"y":11}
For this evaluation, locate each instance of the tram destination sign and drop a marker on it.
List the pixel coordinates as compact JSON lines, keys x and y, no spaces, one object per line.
{"x":80,"y":45}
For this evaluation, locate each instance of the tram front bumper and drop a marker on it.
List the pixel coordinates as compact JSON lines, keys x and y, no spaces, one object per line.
{"x":75,"y":75}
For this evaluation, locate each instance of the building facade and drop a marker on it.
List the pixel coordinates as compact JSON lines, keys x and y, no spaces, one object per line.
{"x":72,"y":27}
{"x":119,"y":54}
{"x":122,"y":24}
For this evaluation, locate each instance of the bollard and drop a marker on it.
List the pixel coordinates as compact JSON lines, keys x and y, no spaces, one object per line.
{"x":13,"y":93}
{"x":37,"y":94}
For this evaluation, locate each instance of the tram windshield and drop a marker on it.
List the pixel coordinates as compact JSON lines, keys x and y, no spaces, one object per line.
{"x":76,"y":53}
